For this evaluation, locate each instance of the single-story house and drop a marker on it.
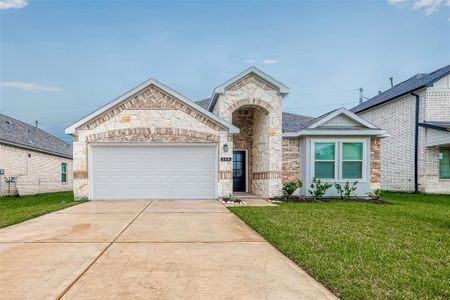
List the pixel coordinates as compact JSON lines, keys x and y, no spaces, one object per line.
{"x":154,"y":143}
{"x":416,"y":115}
{"x":32,"y":161}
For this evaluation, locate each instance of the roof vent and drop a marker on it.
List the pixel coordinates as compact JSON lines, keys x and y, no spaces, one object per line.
{"x":391,"y":79}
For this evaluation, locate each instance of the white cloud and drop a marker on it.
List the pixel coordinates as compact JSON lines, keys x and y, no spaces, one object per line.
{"x":8,"y":4}
{"x":396,"y":2}
{"x":429,"y":6}
{"x":270,"y":61}
{"x":29,"y":86}
{"x":249,"y":61}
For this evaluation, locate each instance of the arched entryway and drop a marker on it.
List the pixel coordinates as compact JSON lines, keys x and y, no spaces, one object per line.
{"x":250,"y":148}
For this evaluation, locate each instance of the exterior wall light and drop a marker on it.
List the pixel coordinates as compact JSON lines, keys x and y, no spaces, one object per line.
{"x":225,"y":148}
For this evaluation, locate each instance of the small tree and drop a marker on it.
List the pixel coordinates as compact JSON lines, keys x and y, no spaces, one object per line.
{"x":346,"y":191}
{"x":290,"y":187}
{"x":318,"y":189}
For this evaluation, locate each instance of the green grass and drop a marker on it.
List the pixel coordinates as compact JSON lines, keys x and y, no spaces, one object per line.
{"x":365,"y":251}
{"x":14,"y":210}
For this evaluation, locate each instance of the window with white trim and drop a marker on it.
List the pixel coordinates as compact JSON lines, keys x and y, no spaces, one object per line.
{"x":342,"y":159}
{"x":352,"y":160}
{"x":325,"y":160}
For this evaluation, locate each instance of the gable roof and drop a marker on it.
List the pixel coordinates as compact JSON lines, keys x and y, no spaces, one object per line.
{"x":17,"y":133}
{"x":165,"y":88}
{"x":283,"y":89}
{"x":314,"y":126}
{"x":341,"y":111}
{"x":416,"y":82}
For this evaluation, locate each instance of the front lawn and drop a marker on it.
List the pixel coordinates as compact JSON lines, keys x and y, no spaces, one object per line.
{"x":14,"y":210}
{"x":365,"y":251}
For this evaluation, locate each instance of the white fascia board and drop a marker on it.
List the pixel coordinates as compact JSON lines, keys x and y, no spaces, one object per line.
{"x":332,"y":132}
{"x":283,"y":89}
{"x":192,"y":104}
{"x":345,"y":112}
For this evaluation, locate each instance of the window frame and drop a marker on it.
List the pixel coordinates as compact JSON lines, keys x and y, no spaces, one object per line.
{"x":338,"y":158}
{"x":342,"y":160}
{"x":313,"y":158}
{"x":64,"y":178}
{"x":439,"y":162}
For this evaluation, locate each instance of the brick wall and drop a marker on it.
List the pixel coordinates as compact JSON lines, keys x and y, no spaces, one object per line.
{"x":291,"y":159}
{"x":397,"y":151}
{"x":36,"y":172}
{"x":375,"y":163}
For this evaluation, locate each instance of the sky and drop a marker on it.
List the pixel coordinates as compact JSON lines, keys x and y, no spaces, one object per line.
{"x":61,"y":60}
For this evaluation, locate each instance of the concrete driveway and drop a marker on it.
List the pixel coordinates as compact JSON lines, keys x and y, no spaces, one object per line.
{"x":144,"y":249}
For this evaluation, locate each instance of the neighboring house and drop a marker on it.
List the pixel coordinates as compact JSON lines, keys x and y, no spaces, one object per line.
{"x":154,"y":143}
{"x":32,"y":161}
{"x":416,"y":116}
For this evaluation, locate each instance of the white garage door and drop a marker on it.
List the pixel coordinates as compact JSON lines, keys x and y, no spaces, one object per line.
{"x":153,"y":172}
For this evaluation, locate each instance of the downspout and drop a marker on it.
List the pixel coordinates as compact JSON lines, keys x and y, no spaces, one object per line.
{"x":416,"y":144}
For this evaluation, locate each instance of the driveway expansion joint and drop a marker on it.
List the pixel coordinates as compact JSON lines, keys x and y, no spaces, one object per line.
{"x":100,"y":254}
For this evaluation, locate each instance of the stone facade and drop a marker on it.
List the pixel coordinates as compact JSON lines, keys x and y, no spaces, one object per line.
{"x":291,"y":159}
{"x":35,"y":172}
{"x":397,"y":117}
{"x":375,"y":163}
{"x":150,"y":116}
{"x":251,"y":91}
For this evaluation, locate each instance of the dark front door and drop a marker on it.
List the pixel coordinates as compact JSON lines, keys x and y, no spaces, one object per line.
{"x":239,"y":174}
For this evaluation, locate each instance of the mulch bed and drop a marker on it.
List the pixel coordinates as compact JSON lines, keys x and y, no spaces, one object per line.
{"x":327,"y":199}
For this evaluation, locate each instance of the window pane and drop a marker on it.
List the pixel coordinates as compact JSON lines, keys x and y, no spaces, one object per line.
{"x":324,"y":151}
{"x":324,"y":169}
{"x":352,"y":169}
{"x":63,"y":167}
{"x":352,"y":151}
{"x":444,"y":163}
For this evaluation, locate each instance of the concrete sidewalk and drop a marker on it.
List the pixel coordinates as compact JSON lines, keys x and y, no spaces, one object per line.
{"x":144,"y":249}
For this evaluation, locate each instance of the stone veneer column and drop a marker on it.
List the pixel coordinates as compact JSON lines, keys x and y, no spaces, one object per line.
{"x":375,"y":163}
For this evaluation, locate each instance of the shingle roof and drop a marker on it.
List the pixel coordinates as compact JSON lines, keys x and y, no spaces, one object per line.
{"x":21,"y":134}
{"x":407,"y":86}
{"x":204,"y":103}
{"x":442,"y":125}
{"x":294,"y":123}
{"x":290,"y":122}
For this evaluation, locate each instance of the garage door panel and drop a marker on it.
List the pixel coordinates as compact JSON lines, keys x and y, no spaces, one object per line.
{"x":153,"y":172}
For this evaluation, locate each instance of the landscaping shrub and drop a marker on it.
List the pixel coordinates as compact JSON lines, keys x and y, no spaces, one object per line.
{"x":346,"y":191}
{"x":318,"y":189}
{"x":290,"y":187}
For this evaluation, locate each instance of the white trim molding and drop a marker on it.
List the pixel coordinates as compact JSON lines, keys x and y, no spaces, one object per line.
{"x":346,"y":112}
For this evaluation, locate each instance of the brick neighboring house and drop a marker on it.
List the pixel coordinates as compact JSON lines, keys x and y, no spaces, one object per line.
{"x":154,"y":143}
{"x":416,"y":116}
{"x":32,"y":161}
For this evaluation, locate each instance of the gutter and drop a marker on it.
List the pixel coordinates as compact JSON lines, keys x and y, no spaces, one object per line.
{"x":416,"y":143}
